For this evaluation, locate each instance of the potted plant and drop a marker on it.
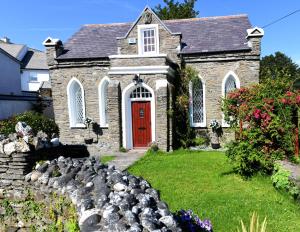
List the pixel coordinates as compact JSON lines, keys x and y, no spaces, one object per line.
{"x":88,"y":121}
{"x":217,"y":130}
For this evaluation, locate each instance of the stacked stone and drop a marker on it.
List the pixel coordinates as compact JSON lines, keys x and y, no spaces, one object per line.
{"x":15,"y":161}
{"x":106,"y":198}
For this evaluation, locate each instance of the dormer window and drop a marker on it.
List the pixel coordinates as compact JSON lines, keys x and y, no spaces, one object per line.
{"x":148,"y":39}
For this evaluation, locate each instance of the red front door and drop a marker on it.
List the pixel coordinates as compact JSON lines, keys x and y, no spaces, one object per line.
{"x":141,"y":123}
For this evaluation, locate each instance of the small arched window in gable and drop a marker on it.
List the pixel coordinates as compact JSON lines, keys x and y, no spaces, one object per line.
{"x":197,"y":109}
{"x":230,"y":84}
{"x":76,"y":103}
{"x":103,"y":102}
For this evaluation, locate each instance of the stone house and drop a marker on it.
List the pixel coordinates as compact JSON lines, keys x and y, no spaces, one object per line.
{"x":122,"y":75}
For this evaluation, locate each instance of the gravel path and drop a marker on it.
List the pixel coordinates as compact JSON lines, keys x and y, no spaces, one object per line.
{"x":123,"y":160}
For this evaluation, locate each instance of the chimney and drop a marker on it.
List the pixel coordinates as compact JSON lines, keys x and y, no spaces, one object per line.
{"x":254,"y":36}
{"x":5,"y":40}
{"x":54,"y":48}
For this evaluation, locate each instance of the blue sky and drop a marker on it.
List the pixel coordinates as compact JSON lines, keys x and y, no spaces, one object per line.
{"x":31,"y":21}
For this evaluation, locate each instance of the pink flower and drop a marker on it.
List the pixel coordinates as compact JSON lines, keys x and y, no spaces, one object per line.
{"x":284,"y":101}
{"x":289,"y":93}
{"x":298,"y":99}
{"x":256,"y":114}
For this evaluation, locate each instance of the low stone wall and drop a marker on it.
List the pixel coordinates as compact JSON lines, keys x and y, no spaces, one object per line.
{"x":14,"y":167}
{"x":105,"y":198}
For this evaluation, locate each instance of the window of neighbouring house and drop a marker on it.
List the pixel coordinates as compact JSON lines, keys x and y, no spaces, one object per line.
{"x":148,"y":39}
{"x":33,"y":77}
{"x":197,"y":103}
{"x":76,"y":104}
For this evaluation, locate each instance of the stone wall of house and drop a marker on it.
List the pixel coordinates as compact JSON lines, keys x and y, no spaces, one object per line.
{"x":168,"y":43}
{"x":90,"y":78}
{"x":214,"y":68}
{"x":109,"y":139}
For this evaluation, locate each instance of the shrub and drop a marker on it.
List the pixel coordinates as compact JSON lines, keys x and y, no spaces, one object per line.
{"x":262,"y":117}
{"x":190,"y":222}
{"x":36,"y":121}
{"x":254,"y":225}
{"x":281,"y":181}
{"x":201,"y":140}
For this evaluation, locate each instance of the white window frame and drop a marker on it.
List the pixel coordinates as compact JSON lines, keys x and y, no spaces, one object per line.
{"x":102,"y":104}
{"x":142,"y":28}
{"x":238,"y":85}
{"x":72,"y":121}
{"x":191,"y":110}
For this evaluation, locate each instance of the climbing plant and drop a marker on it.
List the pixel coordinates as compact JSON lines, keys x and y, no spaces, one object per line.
{"x":184,"y":134}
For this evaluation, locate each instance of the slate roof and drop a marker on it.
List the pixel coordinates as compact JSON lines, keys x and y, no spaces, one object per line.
{"x":200,"y":35}
{"x":35,"y":59}
{"x":12,"y":49}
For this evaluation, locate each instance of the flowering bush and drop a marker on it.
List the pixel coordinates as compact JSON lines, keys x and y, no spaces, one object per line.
{"x":262,"y":115}
{"x":192,"y":223}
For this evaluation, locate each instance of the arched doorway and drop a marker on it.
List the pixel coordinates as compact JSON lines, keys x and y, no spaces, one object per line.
{"x":138,"y":116}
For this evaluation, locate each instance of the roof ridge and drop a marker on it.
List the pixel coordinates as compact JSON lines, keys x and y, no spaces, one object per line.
{"x":169,"y":20}
{"x":207,"y":18}
{"x":106,"y":24}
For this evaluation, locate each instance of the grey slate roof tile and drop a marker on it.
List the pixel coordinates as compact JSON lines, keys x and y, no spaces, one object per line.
{"x":201,"y":35}
{"x":35,"y":59}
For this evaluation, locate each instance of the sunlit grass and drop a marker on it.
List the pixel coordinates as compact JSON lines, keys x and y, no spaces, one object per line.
{"x":205,"y":183}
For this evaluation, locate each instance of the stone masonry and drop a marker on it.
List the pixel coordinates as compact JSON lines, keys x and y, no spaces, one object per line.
{"x":121,"y":61}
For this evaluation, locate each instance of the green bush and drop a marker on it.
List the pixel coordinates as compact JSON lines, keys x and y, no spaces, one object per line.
{"x":281,"y":180}
{"x":36,"y":121}
{"x":201,"y":140}
{"x":262,"y":118}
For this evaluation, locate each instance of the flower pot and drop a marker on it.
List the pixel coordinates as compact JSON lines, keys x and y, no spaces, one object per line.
{"x":215,"y":145}
{"x":88,"y":141}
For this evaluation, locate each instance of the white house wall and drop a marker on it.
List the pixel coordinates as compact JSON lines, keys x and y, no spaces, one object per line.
{"x":27,"y":85}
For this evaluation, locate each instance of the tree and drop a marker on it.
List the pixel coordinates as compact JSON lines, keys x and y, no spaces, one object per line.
{"x":277,"y":66}
{"x":176,"y":10}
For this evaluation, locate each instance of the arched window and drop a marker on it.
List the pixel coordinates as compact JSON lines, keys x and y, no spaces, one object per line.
{"x":103,"y":104}
{"x":76,"y":103}
{"x":230,"y":84}
{"x":140,"y":92}
{"x":197,"y":103}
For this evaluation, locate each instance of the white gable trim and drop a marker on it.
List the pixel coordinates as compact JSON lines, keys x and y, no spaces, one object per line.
{"x":127,"y":115}
{"x":103,"y":119}
{"x":238,"y":85}
{"x":138,"y":56}
{"x":138,"y":19}
{"x":141,"y":70}
{"x":255,"y":32}
{"x":71,"y":121}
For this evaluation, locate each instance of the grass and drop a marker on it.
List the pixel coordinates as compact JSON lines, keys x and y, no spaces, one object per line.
{"x":205,"y":183}
{"x":107,"y":159}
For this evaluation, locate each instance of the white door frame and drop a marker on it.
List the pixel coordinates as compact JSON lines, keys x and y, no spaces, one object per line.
{"x":127,"y":114}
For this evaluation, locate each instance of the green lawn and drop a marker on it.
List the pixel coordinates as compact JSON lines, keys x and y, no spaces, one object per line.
{"x":107,"y":159}
{"x":203,"y":182}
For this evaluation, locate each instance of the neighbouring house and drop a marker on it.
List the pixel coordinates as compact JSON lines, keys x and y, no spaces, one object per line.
{"x":123,"y":75}
{"x":23,"y":71}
